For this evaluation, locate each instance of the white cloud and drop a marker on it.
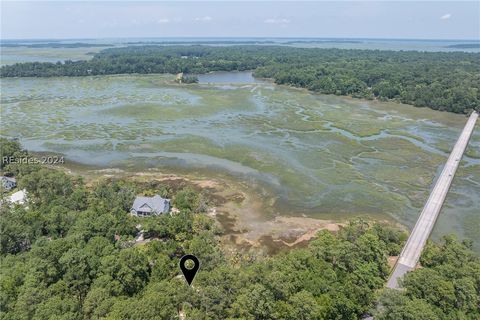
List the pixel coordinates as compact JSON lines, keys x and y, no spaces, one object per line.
{"x":163,"y":20}
{"x":446,"y":16}
{"x":204,"y":19}
{"x":276,"y":21}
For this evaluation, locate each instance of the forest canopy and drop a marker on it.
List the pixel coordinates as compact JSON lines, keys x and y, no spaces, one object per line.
{"x":448,"y":81}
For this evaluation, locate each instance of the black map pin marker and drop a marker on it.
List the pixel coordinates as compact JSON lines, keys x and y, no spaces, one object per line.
{"x":189,"y":274}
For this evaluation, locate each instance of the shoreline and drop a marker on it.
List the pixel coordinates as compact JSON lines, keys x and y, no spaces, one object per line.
{"x":280,"y":203}
{"x":238,"y":209}
{"x":261,"y":80}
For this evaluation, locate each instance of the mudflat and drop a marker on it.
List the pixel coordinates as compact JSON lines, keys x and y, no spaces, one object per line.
{"x":312,"y":156}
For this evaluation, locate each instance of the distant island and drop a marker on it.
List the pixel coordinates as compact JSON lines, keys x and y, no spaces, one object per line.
{"x":207,"y":42}
{"x":319,"y":41}
{"x":464,"y":46}
{"x":55,"y":45}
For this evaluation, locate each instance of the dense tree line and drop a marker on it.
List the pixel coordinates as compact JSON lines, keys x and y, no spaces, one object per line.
{"x":9,"y":149}
{"x":69,"y":254}
{"x":446,"y":287}
{"x":439,"y":80}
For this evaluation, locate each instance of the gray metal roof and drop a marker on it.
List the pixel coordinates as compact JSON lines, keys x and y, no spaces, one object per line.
{"x":154,"y":204}
{"x":8,"y":179}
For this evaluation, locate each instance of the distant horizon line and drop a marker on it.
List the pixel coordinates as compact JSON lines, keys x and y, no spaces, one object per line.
{"x":233,"y":38}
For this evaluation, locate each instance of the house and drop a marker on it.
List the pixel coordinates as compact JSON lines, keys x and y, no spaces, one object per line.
{"x":19,"y":197}
{"x":149,"y":206}
{"x":8,"y":183}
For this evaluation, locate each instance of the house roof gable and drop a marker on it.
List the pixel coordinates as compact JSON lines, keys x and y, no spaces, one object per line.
{"x":8,"y":179}
{"x":148,"y":204}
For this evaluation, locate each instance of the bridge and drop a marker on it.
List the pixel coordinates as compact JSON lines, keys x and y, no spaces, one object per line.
{"x":412,"y":250}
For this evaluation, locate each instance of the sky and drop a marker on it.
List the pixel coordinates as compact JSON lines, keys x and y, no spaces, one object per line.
{"x":339,"y":19}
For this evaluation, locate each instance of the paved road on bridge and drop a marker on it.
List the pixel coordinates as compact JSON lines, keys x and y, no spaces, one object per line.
{"x":412,"y":250}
